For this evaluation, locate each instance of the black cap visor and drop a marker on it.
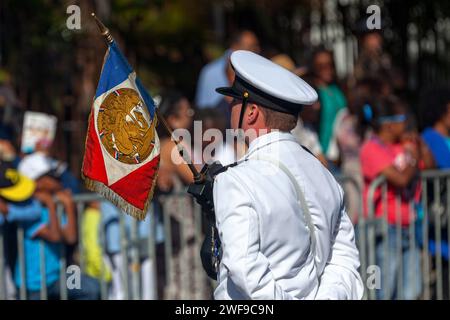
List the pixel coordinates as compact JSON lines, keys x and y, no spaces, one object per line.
{"x":230,"y":92}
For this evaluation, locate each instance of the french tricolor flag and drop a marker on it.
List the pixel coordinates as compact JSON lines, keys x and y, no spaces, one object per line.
{"x":122,"y":147}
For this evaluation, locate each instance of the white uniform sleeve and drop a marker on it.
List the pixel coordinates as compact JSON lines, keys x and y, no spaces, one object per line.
{"x":237,"y":222}
{"x":340,"y":278}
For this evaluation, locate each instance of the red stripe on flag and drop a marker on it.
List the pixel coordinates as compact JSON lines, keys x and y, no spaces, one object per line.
{"x":135,"y":187}
{"x":93,"y":163}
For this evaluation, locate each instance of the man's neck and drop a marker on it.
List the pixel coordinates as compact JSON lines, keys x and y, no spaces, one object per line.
{"x":257,"y":133}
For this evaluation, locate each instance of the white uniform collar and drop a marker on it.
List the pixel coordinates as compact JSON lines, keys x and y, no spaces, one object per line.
{"x":267,"y":139}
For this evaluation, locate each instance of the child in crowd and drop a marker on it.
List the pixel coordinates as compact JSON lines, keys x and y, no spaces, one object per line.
{"x":43,"y":170}
{"x":48,"y":231}
{"x":385,"y":154}
{"x":35,"y":213}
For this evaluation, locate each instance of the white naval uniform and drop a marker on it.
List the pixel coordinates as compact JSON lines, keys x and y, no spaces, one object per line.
{"x":267,"y":252}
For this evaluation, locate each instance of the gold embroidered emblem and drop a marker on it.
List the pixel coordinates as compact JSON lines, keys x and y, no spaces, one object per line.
{"x":125,"y":127}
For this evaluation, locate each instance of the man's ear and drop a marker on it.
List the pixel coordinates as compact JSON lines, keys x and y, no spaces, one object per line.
{"x":253,"y":113}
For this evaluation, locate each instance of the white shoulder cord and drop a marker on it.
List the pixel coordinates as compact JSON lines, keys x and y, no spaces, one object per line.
{"x":301,"y":199}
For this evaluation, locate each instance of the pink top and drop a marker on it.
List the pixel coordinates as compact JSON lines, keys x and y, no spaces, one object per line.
{"x":375,"y":157}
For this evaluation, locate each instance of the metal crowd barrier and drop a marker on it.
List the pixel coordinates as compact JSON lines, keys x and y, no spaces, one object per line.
{"x":184,"y":278}
{"x":406,"y":260}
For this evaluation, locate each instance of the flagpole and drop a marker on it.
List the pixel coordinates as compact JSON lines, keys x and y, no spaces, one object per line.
{"x":103,"y":30}
{"x":198,"y":177}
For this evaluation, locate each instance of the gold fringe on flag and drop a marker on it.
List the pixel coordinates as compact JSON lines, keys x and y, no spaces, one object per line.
{"x":117,"y":200}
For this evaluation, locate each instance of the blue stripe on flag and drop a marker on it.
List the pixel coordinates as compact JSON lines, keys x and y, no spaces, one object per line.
{"x":147,"y":98}
{"x":116,"y":70}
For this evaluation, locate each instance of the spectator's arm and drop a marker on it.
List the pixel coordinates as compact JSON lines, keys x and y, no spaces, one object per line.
{"x":30,"y":211}
{"x":426,"y":155}
{"x":171,"y":157}
{"x":51,"y":231}
{"x":69,"y":230}
{"x":185,"y":173}
{"x":400,"y":179}
{"x":3,"y":211}
{"x":3,"y":208}
{"x":48,"y":184}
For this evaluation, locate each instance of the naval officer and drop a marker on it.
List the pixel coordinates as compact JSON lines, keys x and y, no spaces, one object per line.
{"x":280,"y":214}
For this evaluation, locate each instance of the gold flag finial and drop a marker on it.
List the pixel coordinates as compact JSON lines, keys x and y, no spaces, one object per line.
{"x":103,"y":30}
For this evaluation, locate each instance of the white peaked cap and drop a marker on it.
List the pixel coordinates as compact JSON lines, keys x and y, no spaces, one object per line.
{"x":268,"y":84}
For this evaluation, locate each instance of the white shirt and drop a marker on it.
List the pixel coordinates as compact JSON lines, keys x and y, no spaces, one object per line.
{"x":265,"y":241}
{"x":225,"y":154}
{"x":229,"y":153}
